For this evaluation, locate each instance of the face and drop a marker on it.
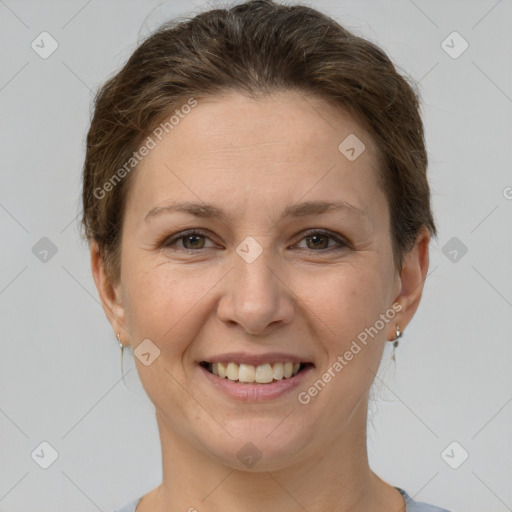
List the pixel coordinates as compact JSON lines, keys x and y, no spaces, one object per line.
{"x":231,"y":254}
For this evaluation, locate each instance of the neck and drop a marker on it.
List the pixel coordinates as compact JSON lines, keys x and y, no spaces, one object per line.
{"x":333,"y":477}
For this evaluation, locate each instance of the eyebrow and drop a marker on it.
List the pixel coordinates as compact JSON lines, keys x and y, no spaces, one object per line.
{"x":204,"y":210}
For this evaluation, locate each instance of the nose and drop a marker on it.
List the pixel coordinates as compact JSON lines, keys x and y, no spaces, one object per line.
{"x":256,"y":296}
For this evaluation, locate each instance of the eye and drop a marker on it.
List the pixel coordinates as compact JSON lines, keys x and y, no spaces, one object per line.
{"x":191,"y":240}
{"x":318,"y":240}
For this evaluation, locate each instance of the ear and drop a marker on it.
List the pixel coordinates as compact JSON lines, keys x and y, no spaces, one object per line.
{"x":410,"y":282}
{"x":110,"y":294}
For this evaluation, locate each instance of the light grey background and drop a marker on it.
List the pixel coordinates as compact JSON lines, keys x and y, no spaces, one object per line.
{"x":59,"y":365}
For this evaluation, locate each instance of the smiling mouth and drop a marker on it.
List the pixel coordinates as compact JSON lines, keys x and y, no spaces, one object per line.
{"x":250,"y":374}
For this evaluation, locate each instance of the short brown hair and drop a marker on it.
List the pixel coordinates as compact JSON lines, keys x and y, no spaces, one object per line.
{"x":256,"y":48}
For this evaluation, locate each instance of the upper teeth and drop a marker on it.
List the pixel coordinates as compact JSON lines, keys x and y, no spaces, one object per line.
{"x":262,"y":374}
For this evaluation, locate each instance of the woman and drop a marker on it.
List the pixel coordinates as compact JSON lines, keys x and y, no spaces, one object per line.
{"x":256,"y":203}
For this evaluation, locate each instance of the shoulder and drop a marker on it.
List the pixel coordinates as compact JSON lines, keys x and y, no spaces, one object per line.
{"x":418,"y":506}
{"x":129,"y":507}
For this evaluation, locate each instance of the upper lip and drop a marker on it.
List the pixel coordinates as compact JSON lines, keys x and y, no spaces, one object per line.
{"x":256,"y":359}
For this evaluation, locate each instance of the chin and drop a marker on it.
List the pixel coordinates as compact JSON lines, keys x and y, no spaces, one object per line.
{"x":256,"y":445}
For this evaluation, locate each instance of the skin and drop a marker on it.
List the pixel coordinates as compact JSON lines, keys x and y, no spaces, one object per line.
{"x":252,"y":158}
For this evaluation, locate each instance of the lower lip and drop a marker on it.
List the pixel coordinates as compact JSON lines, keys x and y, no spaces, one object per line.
{"x":256,"y":392}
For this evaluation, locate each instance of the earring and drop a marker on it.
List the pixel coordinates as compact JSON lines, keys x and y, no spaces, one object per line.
{"x":121,"y":346}
{"x":395,"y":341}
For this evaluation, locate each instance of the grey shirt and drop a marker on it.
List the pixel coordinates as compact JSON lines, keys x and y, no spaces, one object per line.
{"x":411,"y":505}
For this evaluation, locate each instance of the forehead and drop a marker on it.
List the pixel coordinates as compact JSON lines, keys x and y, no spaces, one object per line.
{"x":275,"y":148}
{"x":284,"y":122}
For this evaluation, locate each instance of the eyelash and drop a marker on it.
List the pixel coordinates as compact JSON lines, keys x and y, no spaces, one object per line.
{"x":169,"y":242}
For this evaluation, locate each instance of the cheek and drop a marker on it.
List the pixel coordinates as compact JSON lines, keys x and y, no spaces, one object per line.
{"x":349,"y":301}
{"x":163,"y":301}
{"x":165,"y":306}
